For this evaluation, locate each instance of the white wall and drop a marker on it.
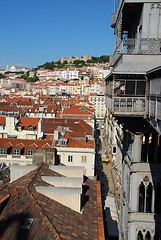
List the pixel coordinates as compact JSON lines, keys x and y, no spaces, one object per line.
{"x":77,"y":154}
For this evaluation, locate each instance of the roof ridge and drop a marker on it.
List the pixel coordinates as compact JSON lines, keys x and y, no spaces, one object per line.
{"x":58,"y":237}
{"x":37,"y":171}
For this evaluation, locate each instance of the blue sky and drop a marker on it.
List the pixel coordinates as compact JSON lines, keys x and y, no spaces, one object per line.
{"x":36,"y":31}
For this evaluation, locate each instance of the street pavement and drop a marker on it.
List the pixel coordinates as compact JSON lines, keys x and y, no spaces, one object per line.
{"x":110,"y":195}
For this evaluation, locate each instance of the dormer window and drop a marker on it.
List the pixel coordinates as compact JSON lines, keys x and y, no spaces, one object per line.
{"x":30,"y":152}
{"x":3,"y":151}
{"x":63,"y":142}
{"x":1,"y":127}
{"x":30,"y":128}
{"x":16,"y":151}
{"x":82,"y":109}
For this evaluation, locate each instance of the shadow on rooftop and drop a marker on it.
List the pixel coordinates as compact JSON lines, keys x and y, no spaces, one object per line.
{"x":14,"y":223}
{"x":85,"y":197}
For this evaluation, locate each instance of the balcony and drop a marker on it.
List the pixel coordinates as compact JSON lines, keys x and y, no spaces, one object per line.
{"x":16,"y":156}
{"x":127,"y":106}
{"x":132,"y":46}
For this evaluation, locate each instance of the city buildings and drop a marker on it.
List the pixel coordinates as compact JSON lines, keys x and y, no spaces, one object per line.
{"x":133,"y":116}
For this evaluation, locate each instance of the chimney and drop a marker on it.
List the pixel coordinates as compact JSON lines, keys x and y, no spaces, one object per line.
{"x":40,"y":130}
{"x":10,"y":125}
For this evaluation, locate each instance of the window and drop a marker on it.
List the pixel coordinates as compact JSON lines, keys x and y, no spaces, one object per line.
{"x":16,"y":152}
{"x":145,"y":196}
{"x":140,"y":89}
{"x":2,"y":151}
{"x":30,"y":128}
{"x":70,"y":158}
{"x":63,"y":142}
{"x":84,"y":159}
{"x":140,"y":235}
{"x":29,"y":152}
{"x":147,"y":236}
{"x":130,"y":87}
{"x":114,"y":150}
{"x":82,"y":109}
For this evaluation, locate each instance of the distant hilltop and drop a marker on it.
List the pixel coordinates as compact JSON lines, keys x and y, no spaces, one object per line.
{"x":85,"y":60}
{"x":72,"y":59}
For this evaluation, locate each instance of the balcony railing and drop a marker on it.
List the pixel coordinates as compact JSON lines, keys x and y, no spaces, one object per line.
{"x":3,"y":155}
{"x":128,"y":105}
{"x":155,"y":107}
{"x":130,"y":46}
{"x":16,"y":156}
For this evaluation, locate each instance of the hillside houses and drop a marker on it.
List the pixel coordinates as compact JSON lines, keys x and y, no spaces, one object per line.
{"x":36,"y":99}
{"x":58,"y":110}
{"x":48,"y":157}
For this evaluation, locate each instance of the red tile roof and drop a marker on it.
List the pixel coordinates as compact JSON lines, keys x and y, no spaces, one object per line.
{"x":76,"y":127}
{"x":25,"y":143}
{"x":76,"y":110}
{"x":51,"y":220}
{"x":75,"y":143}
{"x":25,"y":122}
{"x":2,"y":121}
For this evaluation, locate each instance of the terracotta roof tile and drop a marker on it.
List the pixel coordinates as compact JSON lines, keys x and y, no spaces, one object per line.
{"x":51,"y":220}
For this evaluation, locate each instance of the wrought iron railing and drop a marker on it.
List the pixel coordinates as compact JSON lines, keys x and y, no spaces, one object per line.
{"x":29,"y":156}
{"x":16,"y":156}
{"x":132,"y":46}
{"x":129,"y":105}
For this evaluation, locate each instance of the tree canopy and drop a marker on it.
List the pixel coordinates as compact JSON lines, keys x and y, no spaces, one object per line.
{"x":2,"y":75}
{"x":77,"y":63}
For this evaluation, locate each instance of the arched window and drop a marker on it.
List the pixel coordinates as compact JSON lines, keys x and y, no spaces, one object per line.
{"x":149,"y":198}
{"x":145,"y":196}
{"x":147,"y":236}
{"x":140,"y":236}
{"x":141,"y":197}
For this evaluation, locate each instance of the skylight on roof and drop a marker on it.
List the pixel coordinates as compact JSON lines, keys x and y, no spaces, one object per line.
{"x":27,"y":223}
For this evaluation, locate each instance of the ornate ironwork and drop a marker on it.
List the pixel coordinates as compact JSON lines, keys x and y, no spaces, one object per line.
{"x":129,"y":105}
{"x":138,"y":46}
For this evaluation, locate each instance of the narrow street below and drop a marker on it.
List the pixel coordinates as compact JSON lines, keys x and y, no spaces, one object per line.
{"x":110,"y":193}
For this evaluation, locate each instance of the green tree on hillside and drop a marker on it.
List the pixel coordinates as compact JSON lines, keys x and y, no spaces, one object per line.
{"x":33,"y":79}
{"x":2,"y":75}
